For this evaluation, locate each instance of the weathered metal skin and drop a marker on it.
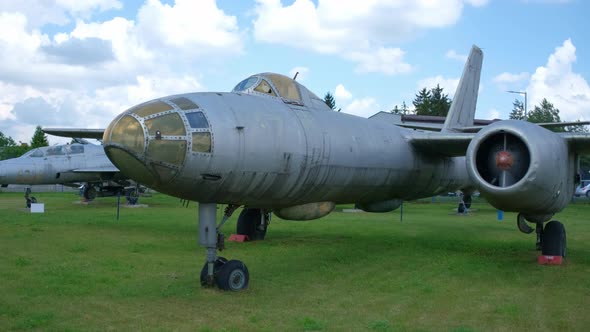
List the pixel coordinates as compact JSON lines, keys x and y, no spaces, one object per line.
{"x":541,"y":160}
{"x":307,"y":211}
{"x":383,"y":206}
{"x":270,"y":153}
{"x":57,"y":169}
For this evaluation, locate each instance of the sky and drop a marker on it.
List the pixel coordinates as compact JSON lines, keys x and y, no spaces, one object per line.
{"x":70,"y":63}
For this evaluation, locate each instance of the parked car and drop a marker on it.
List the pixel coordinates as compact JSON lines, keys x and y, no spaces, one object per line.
{"x":583,"y":189}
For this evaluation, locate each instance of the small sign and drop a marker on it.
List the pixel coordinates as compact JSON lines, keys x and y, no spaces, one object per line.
{"x":37,"y":208}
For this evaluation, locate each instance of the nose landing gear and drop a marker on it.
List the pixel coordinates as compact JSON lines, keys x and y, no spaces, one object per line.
{"x":230,"y":275}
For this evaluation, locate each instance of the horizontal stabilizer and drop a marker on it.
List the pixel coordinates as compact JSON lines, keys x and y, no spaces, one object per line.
{"x":75,"y":132}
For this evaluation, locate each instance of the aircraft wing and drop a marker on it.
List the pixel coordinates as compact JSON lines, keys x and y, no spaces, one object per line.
{"x":103,"y":169}
{"x":442,"y":144}
{"x":455,"y":144}
{"x":578,"y":142}
{"x":75,"y":132}
{"x":435,"y":126}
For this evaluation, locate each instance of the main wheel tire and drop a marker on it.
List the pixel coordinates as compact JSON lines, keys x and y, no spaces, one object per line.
{"x":467,"y":200}
{"x":553,"y":239}
{"x":250,"y":224}
{"x":461,"y":208}
{"x":233,"y":276}
{"x":89,"y":193}
{"x":219,"y":262}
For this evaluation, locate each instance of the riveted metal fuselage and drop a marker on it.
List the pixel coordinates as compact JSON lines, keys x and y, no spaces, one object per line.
{"x":266,"y":152}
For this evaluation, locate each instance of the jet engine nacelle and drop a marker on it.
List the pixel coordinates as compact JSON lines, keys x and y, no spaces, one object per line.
{"x":383,"y":206}
{"x":521,"y":167}
{"x":308,"y":211}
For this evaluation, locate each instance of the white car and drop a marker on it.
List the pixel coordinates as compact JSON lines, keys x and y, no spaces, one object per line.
{"x":583,"y":189}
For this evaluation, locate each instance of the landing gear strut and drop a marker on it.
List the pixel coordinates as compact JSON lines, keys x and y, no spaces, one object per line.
{"x":228,"y":275}
{"x":29,"y":199}
{"x":253,"y":223}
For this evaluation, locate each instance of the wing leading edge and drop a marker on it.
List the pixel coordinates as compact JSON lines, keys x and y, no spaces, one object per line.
{"x":75,"y":132}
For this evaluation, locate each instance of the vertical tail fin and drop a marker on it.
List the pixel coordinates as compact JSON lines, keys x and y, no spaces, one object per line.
{"x":462,"y":109}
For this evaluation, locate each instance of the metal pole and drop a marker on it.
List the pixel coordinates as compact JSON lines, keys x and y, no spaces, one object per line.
{"x":525,"y":105}
{"x":118,"y":203}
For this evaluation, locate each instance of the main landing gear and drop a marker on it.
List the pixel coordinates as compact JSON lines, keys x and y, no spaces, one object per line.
{"x":28,"y":198}
{"x":253,"y":223}
{"x":226,"y":274}
{"x":551,"y":240}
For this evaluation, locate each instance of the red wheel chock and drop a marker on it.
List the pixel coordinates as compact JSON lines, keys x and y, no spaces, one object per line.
{"x":238,"y":238}
{"x":550,"y":260}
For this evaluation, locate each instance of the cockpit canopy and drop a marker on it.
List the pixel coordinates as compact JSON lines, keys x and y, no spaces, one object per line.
{"x":275,"y":85}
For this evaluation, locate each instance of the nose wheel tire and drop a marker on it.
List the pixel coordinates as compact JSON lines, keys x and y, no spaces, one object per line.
{"x":218,"y":264}
{"x":233,"y":276}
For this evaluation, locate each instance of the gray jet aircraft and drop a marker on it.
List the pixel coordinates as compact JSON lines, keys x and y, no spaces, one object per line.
{"x":67,"y":164}
{"x":273,"y":146}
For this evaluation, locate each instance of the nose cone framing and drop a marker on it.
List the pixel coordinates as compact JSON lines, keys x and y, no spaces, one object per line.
{"x":148,"y":142}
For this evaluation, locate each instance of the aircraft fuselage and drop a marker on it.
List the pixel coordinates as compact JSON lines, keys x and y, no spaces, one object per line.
{"x":266,"y":152}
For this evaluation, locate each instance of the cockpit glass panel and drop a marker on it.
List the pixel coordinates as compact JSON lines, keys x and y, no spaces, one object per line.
{"x":202,"y":142}
{"x":246,"y":84}
{"x":37,"y":153}
{"x":264,"y":87}
{"x":172,"y":152}
{"x":128,"y":132}
{"x":75,"y":149}
{"x":167,"y":125}
{"x":184,"y":103}
{"x":56,"y":151}
{"x":152,"y":108}
{"x":286,"y":87}
{"x":197,"y":120}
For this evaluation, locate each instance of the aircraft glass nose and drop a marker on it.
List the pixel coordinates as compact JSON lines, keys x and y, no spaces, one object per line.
{"x":148,"y":142}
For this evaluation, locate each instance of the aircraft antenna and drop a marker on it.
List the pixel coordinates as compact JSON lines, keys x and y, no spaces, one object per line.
{"x":295,"y":77}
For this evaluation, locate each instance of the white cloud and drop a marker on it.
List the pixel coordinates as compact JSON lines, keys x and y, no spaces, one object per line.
{"x":560,"y":85}
{"x":448,"y":84}
{"x":160,"y":52}
{"x":340,"y":93}
{"x":384,"y":60}
{"x":361,"y":31}
{"x":479,"y":3}
{"x":364,"y":107}
{"x":59,"y":12}
{"x":506,"y":77}
{"x":452,"y":54}
{"x":492,"y":114}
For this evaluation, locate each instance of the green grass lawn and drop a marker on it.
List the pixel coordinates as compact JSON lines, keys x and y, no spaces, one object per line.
{"x":76,"y":267}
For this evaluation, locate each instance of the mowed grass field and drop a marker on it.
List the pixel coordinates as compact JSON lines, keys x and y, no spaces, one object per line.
{"x":76,"y":267}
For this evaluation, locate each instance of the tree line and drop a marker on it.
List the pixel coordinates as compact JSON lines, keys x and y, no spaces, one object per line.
{"x":10,"y":149}
{"x":435,"y":102}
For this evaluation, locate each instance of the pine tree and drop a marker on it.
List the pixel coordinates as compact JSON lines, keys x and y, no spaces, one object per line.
{"x":422,"y":102}
{"x":39,"y":138}
{"x":432,"y":102}
{"x":517,"y":112}
{"x":329,"y":100}
{"x":440,"y":102}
